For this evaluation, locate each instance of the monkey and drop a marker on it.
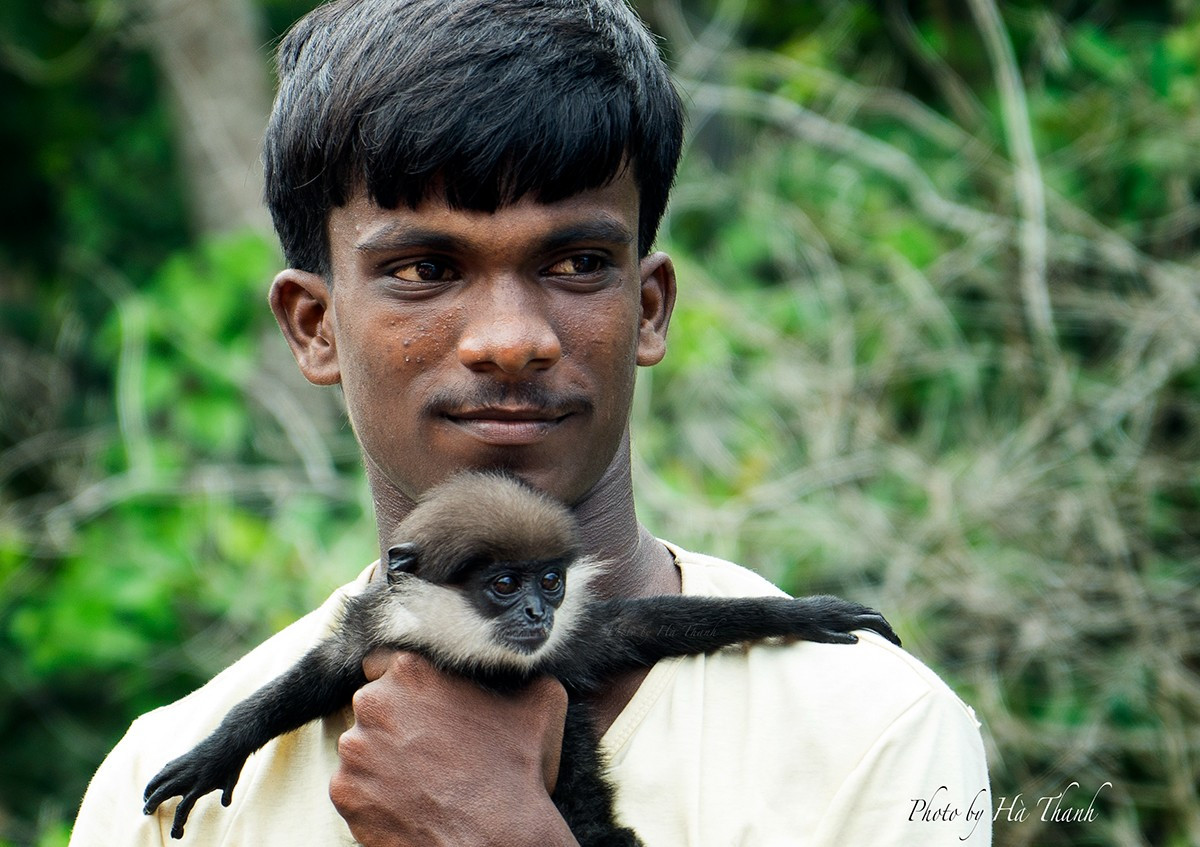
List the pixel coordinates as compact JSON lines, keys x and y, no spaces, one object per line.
{"x":476,"y":580}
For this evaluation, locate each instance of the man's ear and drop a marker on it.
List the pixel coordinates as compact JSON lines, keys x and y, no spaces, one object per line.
{"x":301,"y":301}
{"x":658,"y":301}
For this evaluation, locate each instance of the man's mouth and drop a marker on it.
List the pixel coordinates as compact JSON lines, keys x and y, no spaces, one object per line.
{"x":508,"y":426}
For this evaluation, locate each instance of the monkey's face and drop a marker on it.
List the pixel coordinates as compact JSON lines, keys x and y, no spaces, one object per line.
{"x":470,"y":340}
{"x":480,"y":610}
{"x":495,"y":616}
{"x":521,"y":600}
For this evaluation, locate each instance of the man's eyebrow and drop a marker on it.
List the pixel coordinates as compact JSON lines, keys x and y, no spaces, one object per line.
{"x":600,"y":230}
{"x":402,"y":237}
{"x":397,"y":237}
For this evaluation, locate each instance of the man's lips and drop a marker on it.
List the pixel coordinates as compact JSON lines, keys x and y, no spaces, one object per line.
{"x":508,"y":426}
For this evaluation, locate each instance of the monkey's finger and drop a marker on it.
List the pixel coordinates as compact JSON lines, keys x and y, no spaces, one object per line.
{"x":156,"y":794}
{"x":877,"y":623}
{"x":181,"y":814}
{"x":152,"y":788}
{"x":833,"y":636}
{"x":227,"y":790}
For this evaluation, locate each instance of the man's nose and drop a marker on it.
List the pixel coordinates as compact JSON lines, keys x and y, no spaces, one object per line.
{"x":509,"y":330}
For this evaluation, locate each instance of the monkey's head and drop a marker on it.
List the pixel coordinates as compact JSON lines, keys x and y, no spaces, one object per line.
{"x":483,"y":562}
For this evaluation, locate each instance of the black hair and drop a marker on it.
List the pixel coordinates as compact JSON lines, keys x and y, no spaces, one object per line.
{"x":485,"y":100}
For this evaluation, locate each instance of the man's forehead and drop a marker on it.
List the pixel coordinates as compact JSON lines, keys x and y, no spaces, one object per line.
{"x":608,"y":214}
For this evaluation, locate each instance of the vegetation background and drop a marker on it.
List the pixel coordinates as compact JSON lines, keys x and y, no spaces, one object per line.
{"x":936,"y":349}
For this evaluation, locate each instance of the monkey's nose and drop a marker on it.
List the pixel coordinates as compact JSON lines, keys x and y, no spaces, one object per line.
{"x":535,"y":611}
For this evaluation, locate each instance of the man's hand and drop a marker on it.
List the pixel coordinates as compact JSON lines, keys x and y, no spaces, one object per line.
{"x":433,"y":759}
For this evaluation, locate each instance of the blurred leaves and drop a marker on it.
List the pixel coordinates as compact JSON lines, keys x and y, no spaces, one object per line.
{"x":857,"y":398}
{"x":186,"y":525}
{"x":163,"y":504}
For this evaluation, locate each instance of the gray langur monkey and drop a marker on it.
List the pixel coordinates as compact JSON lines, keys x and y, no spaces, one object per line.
{"x":485,"y":578}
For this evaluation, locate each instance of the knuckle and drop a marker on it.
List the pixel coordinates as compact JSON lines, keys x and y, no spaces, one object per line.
{"x":376,"y":705}
{"x":411,"y":665}
{"x":398,"y":664}
{"x":378,"y":662}
{"x":347,"y":744}
{"x":341,"y":792}
{"x":363,"y":704}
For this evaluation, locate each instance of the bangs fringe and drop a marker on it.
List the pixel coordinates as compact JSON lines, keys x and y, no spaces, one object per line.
{"x":482,"y":103}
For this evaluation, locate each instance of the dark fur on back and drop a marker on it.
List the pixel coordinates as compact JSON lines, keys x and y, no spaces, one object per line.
{"x":493,"y":515}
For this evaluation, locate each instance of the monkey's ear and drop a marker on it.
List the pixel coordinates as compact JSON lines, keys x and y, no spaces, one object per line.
{"x":402,"y":559}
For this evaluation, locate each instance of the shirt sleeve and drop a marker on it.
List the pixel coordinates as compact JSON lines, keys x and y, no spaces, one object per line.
{"x":923,"y":784}
{"x":282,"y":794}
{"x":111,"y":812}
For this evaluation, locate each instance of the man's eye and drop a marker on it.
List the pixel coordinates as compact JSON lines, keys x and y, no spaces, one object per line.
{"x":573,"y":265}
{"x":426,"y":270}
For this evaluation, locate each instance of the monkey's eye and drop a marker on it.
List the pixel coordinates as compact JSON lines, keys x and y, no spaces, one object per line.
{"x":505,"y":585}
{"x":551,"y":581}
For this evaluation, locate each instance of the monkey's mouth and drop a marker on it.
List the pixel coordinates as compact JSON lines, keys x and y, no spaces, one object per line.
{"x":526,"y":642}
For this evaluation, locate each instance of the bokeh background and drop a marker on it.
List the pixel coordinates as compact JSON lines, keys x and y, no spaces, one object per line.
{"x":936,"y":349}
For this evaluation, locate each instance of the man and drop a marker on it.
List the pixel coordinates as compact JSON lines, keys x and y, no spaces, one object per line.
{"x":467,"y":192}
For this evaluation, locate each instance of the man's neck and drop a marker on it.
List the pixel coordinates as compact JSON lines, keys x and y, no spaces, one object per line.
{"x":638,"y":565}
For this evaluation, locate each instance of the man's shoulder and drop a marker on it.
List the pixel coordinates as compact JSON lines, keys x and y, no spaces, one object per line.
{"x":832,"y":740}
{"x":114,"y":797}
{"x":207,"y":705}
{"x":887,"y":680}
{"x":708,"y":576}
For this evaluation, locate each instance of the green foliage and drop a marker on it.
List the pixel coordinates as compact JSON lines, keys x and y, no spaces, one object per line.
{"x":192,"y":530}
{"x":858,"y":396}
{"x":861,"y":394}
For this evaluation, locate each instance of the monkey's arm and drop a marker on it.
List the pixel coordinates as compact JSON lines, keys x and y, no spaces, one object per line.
{"x":625,"y":634}
{"x":323,"y":681}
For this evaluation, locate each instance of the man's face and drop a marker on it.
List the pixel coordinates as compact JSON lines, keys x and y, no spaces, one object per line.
{"x":472,"y":340}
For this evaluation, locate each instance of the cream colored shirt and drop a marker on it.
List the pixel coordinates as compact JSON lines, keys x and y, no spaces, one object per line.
{"x":806,"y":744}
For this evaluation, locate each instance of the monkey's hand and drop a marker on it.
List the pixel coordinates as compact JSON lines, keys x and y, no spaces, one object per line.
{"x":830,"y":619}
{"x":209,"y":766}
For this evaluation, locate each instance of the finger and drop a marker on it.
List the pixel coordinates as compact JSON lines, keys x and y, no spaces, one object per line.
{"x":877,"y":623}
{"x":157,"y":798}
{"x":832,"y":637}
{"x":227,"y":791}
{"x":550,"y":696}
{"x":155,"y":786}
{"x":548,"y":692}
{"x":378,"y":662}
{"x":181,"y":815}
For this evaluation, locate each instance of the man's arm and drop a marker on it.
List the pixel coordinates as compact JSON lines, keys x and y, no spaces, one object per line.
{"x":433,"y":759}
